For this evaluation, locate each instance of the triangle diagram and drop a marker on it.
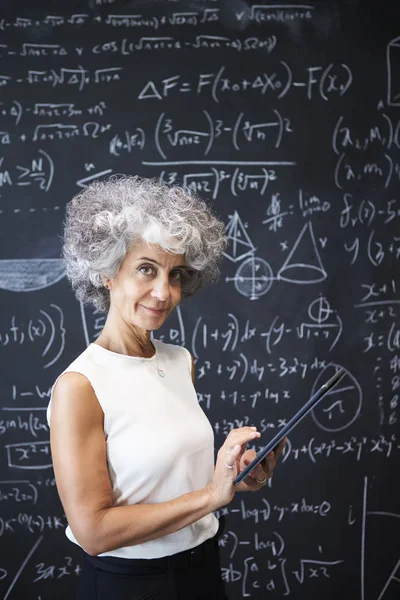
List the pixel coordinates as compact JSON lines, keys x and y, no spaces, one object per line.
{"x":239,"y":243}
{"x":303,"y":265}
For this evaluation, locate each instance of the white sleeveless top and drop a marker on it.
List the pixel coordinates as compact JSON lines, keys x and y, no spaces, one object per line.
{"x":160,"y":444}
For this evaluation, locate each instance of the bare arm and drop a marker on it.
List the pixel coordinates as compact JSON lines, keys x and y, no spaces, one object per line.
{"x":79,"y":458}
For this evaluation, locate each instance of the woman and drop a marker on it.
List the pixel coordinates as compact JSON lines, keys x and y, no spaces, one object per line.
{"x":133,"y":453}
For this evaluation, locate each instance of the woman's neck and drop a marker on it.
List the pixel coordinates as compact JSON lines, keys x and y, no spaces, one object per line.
{"x":129,"y":342}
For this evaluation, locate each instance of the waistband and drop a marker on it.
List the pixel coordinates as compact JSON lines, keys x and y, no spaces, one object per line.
{"x":181,"y":560}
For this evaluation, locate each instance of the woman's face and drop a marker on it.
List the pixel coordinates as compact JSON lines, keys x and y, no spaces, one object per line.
{"x":147,"y":286}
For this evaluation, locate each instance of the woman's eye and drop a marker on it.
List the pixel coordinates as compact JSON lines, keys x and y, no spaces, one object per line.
{"x":176,"y":275}
{"x":146,"y":270}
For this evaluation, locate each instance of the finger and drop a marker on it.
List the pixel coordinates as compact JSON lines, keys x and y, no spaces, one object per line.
{"x":280,"y":447}
{"x":241,"y":433}
{"x":231,"y":457}
{"x":263,"y":469}
{"x":247,"y":457}
{"x":259,"y":473}
{"x":240,"y":436}
{"x":270,"y":463}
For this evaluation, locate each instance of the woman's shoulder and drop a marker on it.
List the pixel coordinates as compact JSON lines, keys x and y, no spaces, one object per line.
{"x":83,"y":356}
{"x":77,"y":365}
{"x":73,"y":393}
{"x":74,"y":380}
{"x":89,"y":359}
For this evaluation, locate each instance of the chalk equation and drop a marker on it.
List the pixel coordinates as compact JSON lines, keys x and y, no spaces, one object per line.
{"x":272,"y":115}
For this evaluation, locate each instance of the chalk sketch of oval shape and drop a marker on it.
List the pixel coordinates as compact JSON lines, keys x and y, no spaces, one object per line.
{"x":30,"y":274}
{"x":253,"y":278}
{"x":352,"y":393}
{"x":302,"y":273}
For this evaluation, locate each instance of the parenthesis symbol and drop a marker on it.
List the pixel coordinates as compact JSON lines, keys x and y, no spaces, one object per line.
{"x":310,"y":452}
{"x":195,"y":330}
{"x":31,"y":429}
{"x":350,"y":80}
{"x":360,"y":209}
{"x":233,"y":181}
{"x":286,"y":451}
{"x":388,"y":178}
{"x":211,"y":137}
{"x":389,"y":345}
{"x":215,"y":84}
{"x":373,"y":212}
{"x":337,"y":168}
{"x":19,"y":114}
{"x":157,"y":134}
{"x":282,"y":543}
{"x":216,"y":186}
{"x":235,"y":131}
{"x":335,"y":133}
{"x":289,"y":81}
{"x":339,"y":333}
{"x":268,"y":507}
{"x":52,"y":336}
{"x":271,"y":43}
{"x":390,"y":137}
{"x":236,"y":324}
{"x":51,"y":175}
{"x":246,"y":367}
{"x":266,"y":181}
{"x":371,"y":235}
{"x":280,"y":132}
{"x":30,"y":330}
{"x":143,"y":135}
{"x":396,"y":134}
{"x":235,"y":545}
{"x":35,"y":492}
{"x":321,"y":83}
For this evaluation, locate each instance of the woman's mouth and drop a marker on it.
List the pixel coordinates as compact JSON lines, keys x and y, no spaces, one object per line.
{"x":154,"y":311}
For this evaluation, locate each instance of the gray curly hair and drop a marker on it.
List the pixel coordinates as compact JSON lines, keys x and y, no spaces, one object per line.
{"x":106,"y":218}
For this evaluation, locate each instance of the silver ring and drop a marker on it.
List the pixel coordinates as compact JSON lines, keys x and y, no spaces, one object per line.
{"x":262,"y":481}
{"x":228,"y":466}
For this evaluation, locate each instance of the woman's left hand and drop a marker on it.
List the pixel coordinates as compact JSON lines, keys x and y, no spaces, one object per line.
{"x":258,"y":478}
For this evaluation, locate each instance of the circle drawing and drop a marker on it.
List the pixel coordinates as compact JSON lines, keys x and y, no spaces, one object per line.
{"x":253,"y":278}
{"x":320,"y":310}
{"x":341,"y":405}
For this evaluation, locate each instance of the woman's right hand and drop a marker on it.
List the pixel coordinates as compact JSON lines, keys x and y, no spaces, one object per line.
{"x":221,"y":488}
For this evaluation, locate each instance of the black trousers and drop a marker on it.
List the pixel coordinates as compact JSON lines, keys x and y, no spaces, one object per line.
{"x":191,"y":575}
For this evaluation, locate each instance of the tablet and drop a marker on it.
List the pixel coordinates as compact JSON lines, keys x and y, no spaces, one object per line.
{"x":304,"y":410}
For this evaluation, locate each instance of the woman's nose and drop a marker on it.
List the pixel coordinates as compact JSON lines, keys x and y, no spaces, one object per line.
{"x":160,"y":288}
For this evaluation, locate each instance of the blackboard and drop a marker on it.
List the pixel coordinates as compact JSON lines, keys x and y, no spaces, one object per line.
{"x":286,"y":117}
